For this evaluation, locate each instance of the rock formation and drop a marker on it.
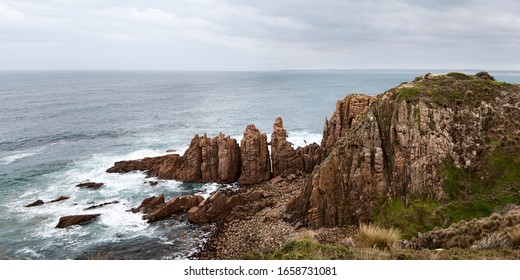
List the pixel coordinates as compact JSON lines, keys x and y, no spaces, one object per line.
{"x":393,"y":145}
{"x":214,"y":159}
{"x":256,"y":165}
{"x":343,"y":119}
{"x":176,"y":205}
{"x":311,"y":155}
{"x":218,"y":206}
{"x":284,"y":158}
{"x":67,"y":221}
{"x":149,"y":204}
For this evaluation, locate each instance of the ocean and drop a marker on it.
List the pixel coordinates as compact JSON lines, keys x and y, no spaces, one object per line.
{"x":61,"y":128}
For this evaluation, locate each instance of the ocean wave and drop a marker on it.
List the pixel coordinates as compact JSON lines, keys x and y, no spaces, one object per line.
{"x":17,"y":155}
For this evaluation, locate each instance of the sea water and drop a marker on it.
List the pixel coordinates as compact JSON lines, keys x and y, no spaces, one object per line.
{"x":61,"y":128}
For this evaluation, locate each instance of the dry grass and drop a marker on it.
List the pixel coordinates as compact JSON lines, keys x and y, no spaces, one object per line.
{"x":514,"y":238}
{"x":372,"y":236}
{"x":495,"y":231}
{"x":496,"y":240}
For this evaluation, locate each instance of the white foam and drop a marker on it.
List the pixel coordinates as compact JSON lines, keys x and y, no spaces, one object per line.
{"x":207,"y":189}
{"x":19,"y":155}
{"x":28,"y":251}
{"x":303,"y":138}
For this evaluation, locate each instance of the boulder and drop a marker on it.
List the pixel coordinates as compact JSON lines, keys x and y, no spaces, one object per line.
{"x":484,"y":76}
{"x":256,"y":165}
{"x":276,"y":180}
{"x":36,"y":203}
{"x":175,"y":205}
{"x":218,"y":206}
{"x":68,"y":221}
{"x":150,"y":204}
{"x":90,"y":185}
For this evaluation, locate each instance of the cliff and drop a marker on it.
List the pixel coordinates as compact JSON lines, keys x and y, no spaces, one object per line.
{"x":403,"y":144}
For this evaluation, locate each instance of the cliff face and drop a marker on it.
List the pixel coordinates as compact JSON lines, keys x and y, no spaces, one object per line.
{"x":343,"y":119}
{"x":396,"y":146}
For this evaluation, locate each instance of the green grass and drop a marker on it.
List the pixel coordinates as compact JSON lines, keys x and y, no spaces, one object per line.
{"x":406,"y":93}
{"x":415,"y":217}
{"x":472,"y":193}
{"x":459,"y":76}
{"x":304,"y":250}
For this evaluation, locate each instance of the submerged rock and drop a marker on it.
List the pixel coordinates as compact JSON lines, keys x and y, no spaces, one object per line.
{"x":36,"y":203}
{"x":59,"y":199}
{"x":101,"y":205}
{"x":67,"y":221}
{"x":90,"y":185}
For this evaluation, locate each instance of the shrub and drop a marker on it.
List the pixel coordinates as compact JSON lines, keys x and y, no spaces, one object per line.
{"x":459,"y":76}
{"x":377,"y":237}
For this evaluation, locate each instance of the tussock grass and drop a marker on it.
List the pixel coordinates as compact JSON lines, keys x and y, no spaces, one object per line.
{"x":496,"y":240}
{"x":514,"y":238}
{"x":376,"y":237}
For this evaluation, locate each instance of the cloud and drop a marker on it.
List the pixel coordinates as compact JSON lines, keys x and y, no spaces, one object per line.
{"x":277,"y":34}
{"x":9,"y":13}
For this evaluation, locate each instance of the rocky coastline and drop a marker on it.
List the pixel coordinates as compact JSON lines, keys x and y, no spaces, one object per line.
{"x":440,"y":149}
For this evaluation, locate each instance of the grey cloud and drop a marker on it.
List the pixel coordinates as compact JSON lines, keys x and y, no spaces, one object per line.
{"x":249,"y":35}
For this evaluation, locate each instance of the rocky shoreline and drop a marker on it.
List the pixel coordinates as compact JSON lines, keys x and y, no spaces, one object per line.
{"x":423,"y":155}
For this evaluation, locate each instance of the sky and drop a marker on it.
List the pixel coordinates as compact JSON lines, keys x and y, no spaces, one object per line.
{"x":245,"y":35}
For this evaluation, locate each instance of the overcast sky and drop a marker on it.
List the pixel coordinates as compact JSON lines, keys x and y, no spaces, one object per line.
{"x":259,"y":35}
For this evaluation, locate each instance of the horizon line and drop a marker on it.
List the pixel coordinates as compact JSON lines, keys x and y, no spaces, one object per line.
{"x":270,"y":70}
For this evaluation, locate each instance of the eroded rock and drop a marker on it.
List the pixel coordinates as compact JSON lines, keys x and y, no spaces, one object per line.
{"x":218,"y":206}
{"x":90,"y":185}
{"x":36,"y":203}
{"x":68,"y":221}
{"x":285,"y":159}
{"x":256,"y":165}
{"x":176,"y":205}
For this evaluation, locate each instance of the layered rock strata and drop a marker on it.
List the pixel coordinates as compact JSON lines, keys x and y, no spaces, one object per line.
{"x":221,"y":160}
{"x":256,"y":165}
{"x":214,"y":159}
{"x":284,"y":158}
{"x":343,"y":119}
{"x":219,"y":206}
{"x":396,"y":145}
